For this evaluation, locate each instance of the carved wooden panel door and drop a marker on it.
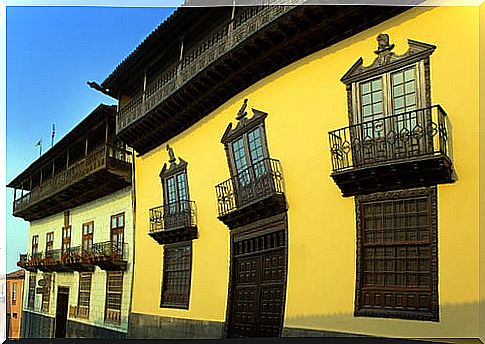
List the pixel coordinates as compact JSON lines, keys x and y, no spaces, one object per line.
{"x":258,"y":289}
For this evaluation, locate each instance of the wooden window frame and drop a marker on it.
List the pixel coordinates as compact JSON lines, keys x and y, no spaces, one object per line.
{"x":173,"y":172}
{"x":113,"y":314}
{"x":399,"y":311}
{"x":35,"y":244}
{"x":386,"y":64}
{"x":49,"y":241}
{"x":86,"y":237}
{"x":83,"y":309}
{"x":241,"y":131}
{"x":46,"y":295}
{"x":118,"y":230}
{"x":66,"y":229}
{"x":165,"y":279}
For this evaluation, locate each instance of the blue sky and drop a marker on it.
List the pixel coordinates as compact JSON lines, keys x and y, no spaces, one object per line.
{"x":51,"y":53}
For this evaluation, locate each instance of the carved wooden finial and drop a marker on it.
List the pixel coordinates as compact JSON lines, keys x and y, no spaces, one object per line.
{"x":171,"y":155}
{"x":242,"y":111}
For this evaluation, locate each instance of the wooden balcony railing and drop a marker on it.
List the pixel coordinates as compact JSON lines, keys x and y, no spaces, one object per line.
{"x":215,"y":45}
{"x":261,"y":180}
{"x":416,"y":134}
{"x":96,"y":160}
{"x":181,"y":214}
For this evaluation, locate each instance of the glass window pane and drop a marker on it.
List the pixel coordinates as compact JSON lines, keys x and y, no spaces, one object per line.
{"x":365,"y":88}
{"x":409,"y":74}
{"x":397,"y":78}
{"x":376,"y":85}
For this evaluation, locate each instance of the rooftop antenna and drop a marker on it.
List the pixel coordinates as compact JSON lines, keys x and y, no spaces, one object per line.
{"x":53,"y":134}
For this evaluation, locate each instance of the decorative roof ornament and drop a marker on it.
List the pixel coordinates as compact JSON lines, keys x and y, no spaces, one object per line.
{"x":383,"y":51}
{"x":173,"y":167}
{"x":387,"y":60}
{"x":242,"y":111}
{"x":171,"y":155}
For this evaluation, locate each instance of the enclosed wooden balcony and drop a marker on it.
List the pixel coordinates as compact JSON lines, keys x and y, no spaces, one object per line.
{"x":245,"y":47}
{"x":255,"y":193}
{"x":89,"y":162}
{"x":407,"y":150}
{"x":173,"y":222}
{"x":104,"y":170}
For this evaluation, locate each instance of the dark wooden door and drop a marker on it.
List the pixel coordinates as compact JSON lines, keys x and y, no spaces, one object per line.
{"x":258,"y":287}
{"x":61,"y":312}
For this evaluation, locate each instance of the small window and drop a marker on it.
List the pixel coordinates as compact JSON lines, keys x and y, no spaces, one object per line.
{"x":117,"y":233}
{"x":49,"y":246}
{"x":176,"y":199}
{"x":177,"y":260}
{"x":46,"y":295}
{"x":397,"y":241}
{"x":15,"y":315}
{"x":32,"y":284}
{"x":87,"y":242}
{"x":35,"y":245}
{"x":84,"y":295}
{"x":66,"y":238}
{"x":14,"y":293}
{"x":114,"y":293}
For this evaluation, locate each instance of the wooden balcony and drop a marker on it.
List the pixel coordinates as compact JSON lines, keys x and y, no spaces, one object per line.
{"x":103,"y":171}
{"x":407,"y":150}
{"x":253,"y":194}
{"x":173,"y":222}
{"x":258,"y":41}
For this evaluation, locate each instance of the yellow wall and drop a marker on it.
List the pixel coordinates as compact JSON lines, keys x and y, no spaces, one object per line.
{"x":306,"y":100}
{"x":482,"y":171}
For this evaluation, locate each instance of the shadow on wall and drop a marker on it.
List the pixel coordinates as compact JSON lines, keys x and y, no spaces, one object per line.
{"x":456,"y":321}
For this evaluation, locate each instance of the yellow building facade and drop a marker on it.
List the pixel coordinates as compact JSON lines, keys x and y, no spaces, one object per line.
{"x":324,"y":252}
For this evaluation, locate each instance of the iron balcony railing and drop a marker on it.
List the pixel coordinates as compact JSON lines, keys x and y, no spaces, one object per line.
{"x":116,"y":251}
{"x":181,"y":214}
{"x":258,"y":181}
{"x":95,"y":160}
{"x":415,"y":134}
{"x":214,"y":45}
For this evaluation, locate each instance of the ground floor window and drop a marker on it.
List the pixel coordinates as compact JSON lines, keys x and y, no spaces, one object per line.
{"x":84,"y":294}
{"x":46,"y":292}
{"x":177,"y":261}
{"x":31,"y":299}
{"x":114,"y":293}
{"x":397,"y":255}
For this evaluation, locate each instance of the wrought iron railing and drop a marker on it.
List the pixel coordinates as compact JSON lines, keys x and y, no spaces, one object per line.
{"x":258,"y":181}
{"x":215,"y":45}
{"x":30,"y":259}
{"x":181,"y":214}
{"x":110,"y":249}
{"x":53,"y":255}
{"x":95,"y":160}
{"x":415,"y":134}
